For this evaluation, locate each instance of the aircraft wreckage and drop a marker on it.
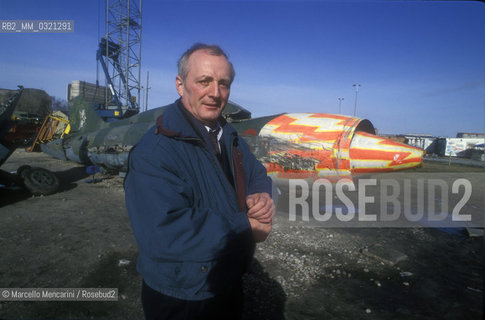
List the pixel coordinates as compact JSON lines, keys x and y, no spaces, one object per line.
{"x":290,"y":145}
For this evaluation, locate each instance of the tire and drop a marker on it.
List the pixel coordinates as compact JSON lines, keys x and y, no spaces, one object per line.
{"x":40,"y":181}
{"x":22,"y":170}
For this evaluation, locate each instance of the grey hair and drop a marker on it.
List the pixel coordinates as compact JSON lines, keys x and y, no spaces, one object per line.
{"x":211,"y":49}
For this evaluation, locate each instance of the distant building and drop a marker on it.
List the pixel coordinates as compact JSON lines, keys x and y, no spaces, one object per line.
{"x":422,"y":141}
{"x":470,"y":135}
{"x":91,"y":92}
{"x":458,"y":147}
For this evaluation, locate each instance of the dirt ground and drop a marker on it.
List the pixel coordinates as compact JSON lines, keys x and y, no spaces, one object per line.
{"x":77,"y":237}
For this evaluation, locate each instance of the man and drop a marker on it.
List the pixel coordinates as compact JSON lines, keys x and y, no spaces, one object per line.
{"x":197,"y":198}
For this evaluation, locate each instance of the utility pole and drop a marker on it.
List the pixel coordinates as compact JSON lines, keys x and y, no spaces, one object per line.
{"x":356,"y":94}
{"x":146,"y":92}
{"x":340,"y":105}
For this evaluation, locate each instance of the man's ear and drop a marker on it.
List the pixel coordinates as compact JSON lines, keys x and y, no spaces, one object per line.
{"x":179,"y":84}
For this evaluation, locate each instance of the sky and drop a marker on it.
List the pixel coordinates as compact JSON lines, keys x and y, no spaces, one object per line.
{"x":420,"y":64}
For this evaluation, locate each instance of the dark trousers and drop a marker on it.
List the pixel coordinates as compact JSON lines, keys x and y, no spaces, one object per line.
{"x":158,"y":306}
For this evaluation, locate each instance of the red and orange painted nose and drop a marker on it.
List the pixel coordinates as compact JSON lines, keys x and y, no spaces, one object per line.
{"x":371,"y":153}
{"x":319,"y":145}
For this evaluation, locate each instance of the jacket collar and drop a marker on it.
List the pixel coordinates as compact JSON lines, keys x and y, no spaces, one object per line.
{"x":177,"y":122}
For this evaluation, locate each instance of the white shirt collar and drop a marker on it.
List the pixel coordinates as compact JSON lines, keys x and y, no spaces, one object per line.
{"x":219,"y":135}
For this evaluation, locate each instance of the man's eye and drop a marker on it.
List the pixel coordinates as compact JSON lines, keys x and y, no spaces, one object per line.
{"x":224,"y":84}
{"x":204,"y":82}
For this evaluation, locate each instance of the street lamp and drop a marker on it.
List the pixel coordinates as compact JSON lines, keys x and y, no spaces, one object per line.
{"x":356,"y":94}
{"x":340,"y":105}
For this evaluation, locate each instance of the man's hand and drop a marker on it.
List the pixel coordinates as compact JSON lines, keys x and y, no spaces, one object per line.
{"x":260,"y":213}
{"x":260,"y":207}
{"x":260,"y":230}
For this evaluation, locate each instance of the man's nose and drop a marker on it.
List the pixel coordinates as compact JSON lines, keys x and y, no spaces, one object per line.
{"x":215,"y":91}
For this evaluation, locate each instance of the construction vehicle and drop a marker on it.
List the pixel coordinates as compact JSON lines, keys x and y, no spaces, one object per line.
{"x":54,"y":127}
{"x":37,"y":181}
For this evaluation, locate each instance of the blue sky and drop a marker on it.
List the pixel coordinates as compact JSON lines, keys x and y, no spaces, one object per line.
{"x":421,"y":64}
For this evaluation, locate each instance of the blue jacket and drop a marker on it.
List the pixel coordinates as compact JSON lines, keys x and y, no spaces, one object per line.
{"x":189,"y":220}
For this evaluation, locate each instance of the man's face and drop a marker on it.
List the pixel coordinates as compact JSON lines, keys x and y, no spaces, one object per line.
{"x":206,"y":88}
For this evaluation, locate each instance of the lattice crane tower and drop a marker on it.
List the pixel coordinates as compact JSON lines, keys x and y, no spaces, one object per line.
{"x":122,"y":53}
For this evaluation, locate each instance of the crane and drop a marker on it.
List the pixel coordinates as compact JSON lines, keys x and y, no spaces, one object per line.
{"x":119,"y":54}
